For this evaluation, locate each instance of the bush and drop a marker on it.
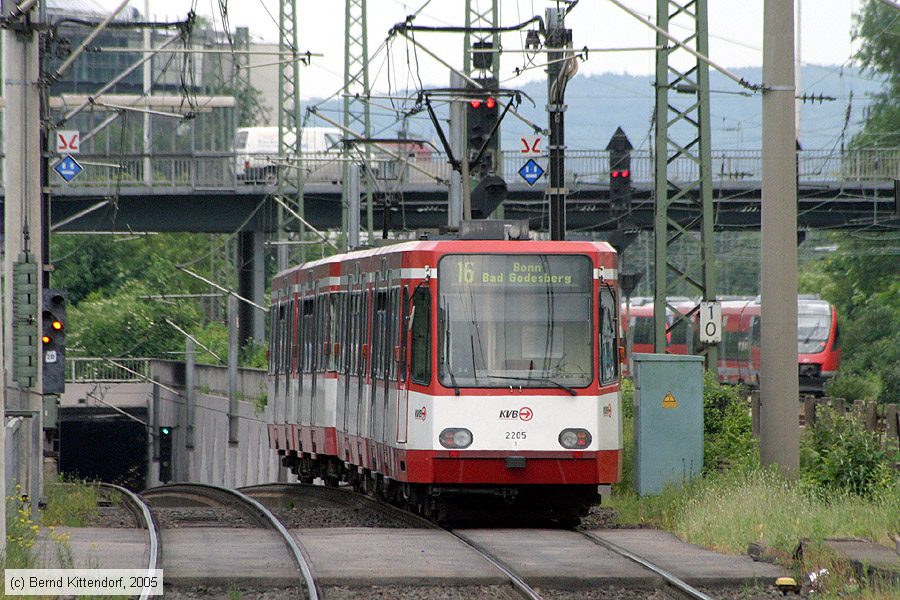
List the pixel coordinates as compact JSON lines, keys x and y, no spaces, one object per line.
{"x":727,"y":428}
{"x":854,"y":386}
{"x":838,"y":455}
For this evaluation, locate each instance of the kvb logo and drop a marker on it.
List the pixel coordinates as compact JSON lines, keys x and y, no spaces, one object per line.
{"x":524,"y":413}
{"x":421,"y":413}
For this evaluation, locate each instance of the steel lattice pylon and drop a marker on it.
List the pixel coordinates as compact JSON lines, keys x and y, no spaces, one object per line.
{"x":289,"y":125}
{"x":356,"y":105}
{"x":682,"y":136}
{"x":486,"y":17}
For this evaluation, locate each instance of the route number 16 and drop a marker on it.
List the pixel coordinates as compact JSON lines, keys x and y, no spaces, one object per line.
{"x":711,"y":322}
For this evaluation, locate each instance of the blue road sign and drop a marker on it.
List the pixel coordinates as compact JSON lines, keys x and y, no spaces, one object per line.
{"x":68,"y":168}
{"x":531,"y":172}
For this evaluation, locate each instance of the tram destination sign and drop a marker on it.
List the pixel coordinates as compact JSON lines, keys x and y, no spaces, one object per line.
{"x":515,"y":272}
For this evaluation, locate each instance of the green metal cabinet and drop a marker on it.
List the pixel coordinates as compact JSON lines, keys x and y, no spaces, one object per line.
{"x":668,"y":420}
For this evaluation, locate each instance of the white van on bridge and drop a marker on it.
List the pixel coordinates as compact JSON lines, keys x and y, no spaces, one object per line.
{"x":257,"y":155}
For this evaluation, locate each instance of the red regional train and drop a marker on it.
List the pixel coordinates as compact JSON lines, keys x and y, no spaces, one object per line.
{"x":818,"y":339}
{"x":452,"y":374}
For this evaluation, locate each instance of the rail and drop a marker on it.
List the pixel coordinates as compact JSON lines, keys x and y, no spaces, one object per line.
{"x":257,"y":511}
{"x":671,"y":580}
{"x":211,"y":171}
{"x":521,"y":587}
{"x":144,"y":518}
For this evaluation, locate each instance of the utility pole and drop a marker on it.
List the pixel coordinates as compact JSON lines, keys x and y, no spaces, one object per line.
{"x":559,"y":71}
{"x":779,"y":385}
{"x":682,"y":139}
{"x":356,"y":114}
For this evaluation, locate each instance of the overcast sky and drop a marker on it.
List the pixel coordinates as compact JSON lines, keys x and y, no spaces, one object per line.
{"x":735,"y":34}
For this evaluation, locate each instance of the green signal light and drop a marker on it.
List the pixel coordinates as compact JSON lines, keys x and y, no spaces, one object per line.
{"x":165,"y":430}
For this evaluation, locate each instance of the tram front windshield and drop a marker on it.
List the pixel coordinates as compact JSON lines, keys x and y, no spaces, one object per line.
{"x":515,"y":320}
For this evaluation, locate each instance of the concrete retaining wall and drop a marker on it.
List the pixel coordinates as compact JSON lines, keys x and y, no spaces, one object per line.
{"x":201,"y":449}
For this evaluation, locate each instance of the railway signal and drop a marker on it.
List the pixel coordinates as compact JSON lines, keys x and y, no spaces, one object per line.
{"x":619,"y":169}
{"x":165,"y":454}
{"x":482,"y":115}
{"x":53,"y":340}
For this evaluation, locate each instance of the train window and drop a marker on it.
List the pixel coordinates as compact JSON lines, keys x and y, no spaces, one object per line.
{"x":394,"y":323}
{"x":321,"y":331}
{"x":515,"y":320}
{"x":813,"y":331}
{"x":403,"y":324}
{"x":282,"y":335}
{"x":290,"y":338}
{"x":643,"y":330}
{"x":306,"y":335}
{"x":380,"y":333}
{"x":335,"y":325}
{"x":273,"y":337}
{"x":420,"y":348}
{"x":609,"y":327}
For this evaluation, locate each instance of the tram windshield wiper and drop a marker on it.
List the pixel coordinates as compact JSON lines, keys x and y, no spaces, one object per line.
{"x":553,"y":382}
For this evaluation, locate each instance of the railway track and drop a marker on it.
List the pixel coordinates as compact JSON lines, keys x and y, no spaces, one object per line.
{"x":192,"y":494}
{"x":140,"y":511}
{"x":341,"y":497}
{"x":682,"y":588}
{"x":346,"y":498}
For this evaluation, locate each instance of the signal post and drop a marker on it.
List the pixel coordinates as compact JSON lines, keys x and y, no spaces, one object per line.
{"x":23,"y":247}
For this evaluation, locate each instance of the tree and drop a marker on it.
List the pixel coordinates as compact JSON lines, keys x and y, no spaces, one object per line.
{"x":877,"y":27}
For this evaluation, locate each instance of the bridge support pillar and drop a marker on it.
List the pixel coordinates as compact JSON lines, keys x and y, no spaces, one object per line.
{"x":251,"y":285}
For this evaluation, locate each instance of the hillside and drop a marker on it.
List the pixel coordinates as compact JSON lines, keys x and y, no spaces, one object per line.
{"x":600,"y":103}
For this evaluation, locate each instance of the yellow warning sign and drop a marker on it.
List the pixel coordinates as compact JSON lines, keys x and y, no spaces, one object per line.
{"x":669,"y":401}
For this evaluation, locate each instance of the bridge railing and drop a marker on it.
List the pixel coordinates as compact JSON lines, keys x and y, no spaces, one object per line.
{"x":218,"y":170}
{"x":101,"y":370}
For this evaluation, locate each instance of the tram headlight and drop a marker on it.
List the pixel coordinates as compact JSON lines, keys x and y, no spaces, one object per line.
{"x":574,"y":438}
{"x":456,"y":437}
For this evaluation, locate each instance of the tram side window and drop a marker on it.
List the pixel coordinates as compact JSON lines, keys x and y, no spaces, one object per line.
{"x":403,"y":324}
{"x":306,"y":335}
{"x":273,"y":337}
{"x":609,"y":359}
{"x":282,"y":336}
{"x":289,"y":338}
{"x":420,"y":349}
{"x":394,"y":324}
{"x":321,"y":330}
{"x":353,"y":332}
{"x":379,"y":334}
{"x":335,"y":327}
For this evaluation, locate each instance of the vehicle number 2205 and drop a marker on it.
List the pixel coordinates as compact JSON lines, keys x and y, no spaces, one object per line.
{"x":515,"y":435}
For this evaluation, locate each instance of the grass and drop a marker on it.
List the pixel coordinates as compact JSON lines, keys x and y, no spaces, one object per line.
{"x":727,"y":511}
{"x":69,"y":503}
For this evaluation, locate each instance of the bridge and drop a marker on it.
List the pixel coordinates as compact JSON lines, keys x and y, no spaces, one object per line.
{"x":201,"y":192}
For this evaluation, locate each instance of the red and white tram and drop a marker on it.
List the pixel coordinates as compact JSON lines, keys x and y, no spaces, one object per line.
{"x":441,"y":373}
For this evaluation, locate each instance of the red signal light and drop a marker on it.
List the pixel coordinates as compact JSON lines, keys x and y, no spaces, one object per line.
{"x":490,"y":102}
{"x":474,"y":103}
{"x":625,"y":173}
{"x":614,"y":174}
